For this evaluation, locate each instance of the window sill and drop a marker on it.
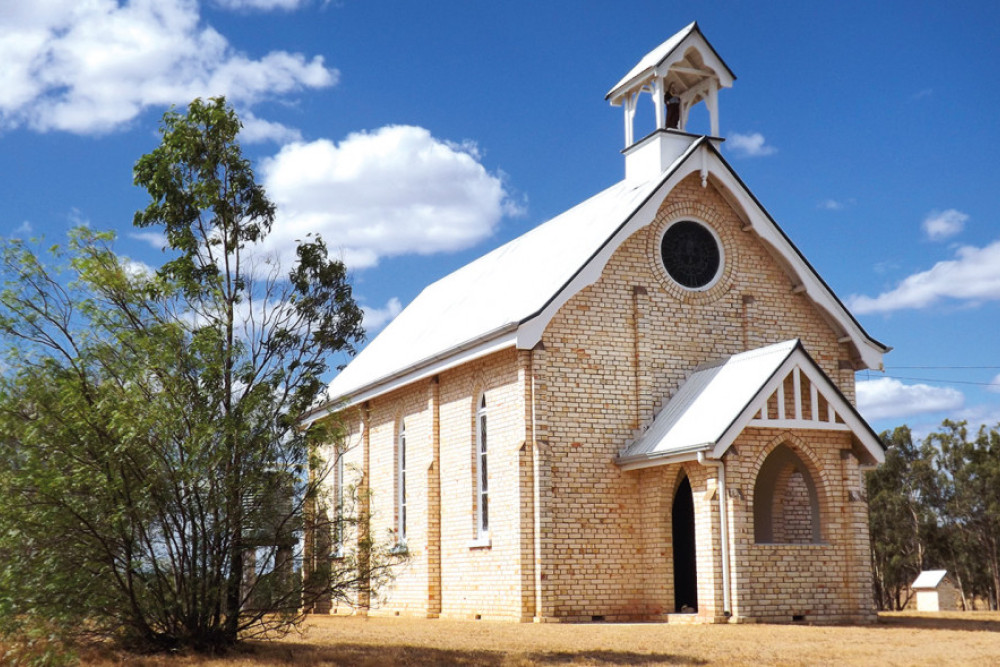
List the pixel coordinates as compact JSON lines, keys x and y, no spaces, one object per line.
{"x":481,"y":542}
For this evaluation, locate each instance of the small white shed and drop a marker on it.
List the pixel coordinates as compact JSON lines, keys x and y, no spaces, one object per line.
{"x":935,"y":591}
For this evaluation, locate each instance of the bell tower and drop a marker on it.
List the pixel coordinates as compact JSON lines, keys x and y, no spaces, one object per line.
{"x":677,"y":75}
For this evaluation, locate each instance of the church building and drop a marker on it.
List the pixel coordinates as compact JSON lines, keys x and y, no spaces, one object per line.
{"x":642,"y":409}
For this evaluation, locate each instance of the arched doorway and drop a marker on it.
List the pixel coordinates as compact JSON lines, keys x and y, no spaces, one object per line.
{"x":685,"y":570}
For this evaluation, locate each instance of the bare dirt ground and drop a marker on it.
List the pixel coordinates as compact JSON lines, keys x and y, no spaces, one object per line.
{"x":898,"y":639}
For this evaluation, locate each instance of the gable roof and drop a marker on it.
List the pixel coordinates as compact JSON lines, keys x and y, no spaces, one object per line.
{"x":929,"y":579}
{"x":721,"y":399}
{"x":670,"y":51}
{"x":491,"y":296}
{"x":507,"y":297}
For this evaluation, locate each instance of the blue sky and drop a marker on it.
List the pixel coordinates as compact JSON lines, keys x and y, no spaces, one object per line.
{"x":417,"y":136}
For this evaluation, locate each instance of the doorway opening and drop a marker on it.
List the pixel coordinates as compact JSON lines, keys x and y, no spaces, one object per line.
{"x":685,"y":570}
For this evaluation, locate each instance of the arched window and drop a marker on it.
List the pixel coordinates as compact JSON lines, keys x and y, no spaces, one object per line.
{"x":785,"y":501}
{"x":338,"y":512}
{"x":401,"y":483}
{"x":482,"y":478}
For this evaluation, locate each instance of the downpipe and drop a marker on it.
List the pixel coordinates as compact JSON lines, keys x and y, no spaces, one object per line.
{"x":727,"y":608}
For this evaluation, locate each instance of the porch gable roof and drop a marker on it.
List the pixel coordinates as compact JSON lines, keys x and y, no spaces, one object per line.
{"x":721,"y":399}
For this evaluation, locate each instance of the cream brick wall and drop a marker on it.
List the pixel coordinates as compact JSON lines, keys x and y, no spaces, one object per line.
{"x":792,"y":509}
{"x":481,"y":581}
{"x":828,"y":581}
{"x":572,"y":536}
{"x":450,"y":575}
{"x":613,"y":355}
{"x":408,"y":592}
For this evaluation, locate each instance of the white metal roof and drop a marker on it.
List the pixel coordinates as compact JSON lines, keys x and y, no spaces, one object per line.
{"x":708,"y":403}
{"x":929,"y":579}
{"x":647,"y":66}
{"x":494,"y":293}
{"x":720,"y":399}
{"x":507,"y":297}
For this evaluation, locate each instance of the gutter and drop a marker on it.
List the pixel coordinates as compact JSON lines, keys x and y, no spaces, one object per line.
{"x":487,"y":343}
{"x":727,"y":607}
{"x":639,"y":461}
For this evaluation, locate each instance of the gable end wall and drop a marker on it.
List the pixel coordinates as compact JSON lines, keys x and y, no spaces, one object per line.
{"x":614,"y":354}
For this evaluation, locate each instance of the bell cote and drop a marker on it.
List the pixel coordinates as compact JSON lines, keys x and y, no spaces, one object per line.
{"x":677,"y":75}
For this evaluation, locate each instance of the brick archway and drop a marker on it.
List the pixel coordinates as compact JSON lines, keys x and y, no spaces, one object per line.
{"x":789,"y":494}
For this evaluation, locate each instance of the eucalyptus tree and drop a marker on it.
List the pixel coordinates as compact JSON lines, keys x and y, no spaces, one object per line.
{"x":152,"y":473}
{"x":969,"y":502}
{"x":900,"y":517}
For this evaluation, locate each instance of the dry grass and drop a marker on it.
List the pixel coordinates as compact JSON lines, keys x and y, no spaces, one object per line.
{"x":898,"y":639}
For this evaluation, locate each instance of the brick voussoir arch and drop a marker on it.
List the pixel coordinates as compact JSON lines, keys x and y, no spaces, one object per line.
{"x":683,"y":471}
{"x":812,"y":462}
{"x":723,"y":226}
{"x":800,"y":447}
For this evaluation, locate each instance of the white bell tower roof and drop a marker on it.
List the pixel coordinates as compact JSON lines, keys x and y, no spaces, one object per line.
{"x":677,"y":74}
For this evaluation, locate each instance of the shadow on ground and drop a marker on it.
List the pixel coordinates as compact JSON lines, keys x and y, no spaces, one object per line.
{"x":934,"y":622}
{"x":366,"y":655}
{"x":610,"y":658}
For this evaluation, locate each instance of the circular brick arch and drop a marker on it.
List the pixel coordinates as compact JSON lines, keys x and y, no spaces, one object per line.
{"x":722,"y":224}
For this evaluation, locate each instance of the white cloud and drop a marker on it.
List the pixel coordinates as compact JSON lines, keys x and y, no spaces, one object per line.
{"x":77,"y":218}
{"x":24,"y":230}
{"x":393,"y":191}
{"x":939,"y":225}
{"x":994,"y":385}
{"x":257,"y":130}
{"x":376,"y":318}
{"x":263,"y":5}
{"x":884,"y":398}
{"x":749,"y":145}
{"x":157,"y":240}
{"x":977,"y":415}
{"x":973,"y":276}
{"x":467,"y":146}
{"x":136,"y":268}
{"x":836,"y":204}
{"x":90,"y":67}
{"x":981,"y":414}
{"x":885,"y":266}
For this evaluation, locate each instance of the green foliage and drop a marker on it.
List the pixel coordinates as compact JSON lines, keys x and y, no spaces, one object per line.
{"x":968,"y":503}
{"x":153,"y":478}
{"x":899,"y":517}
{"x":937,"y":506}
